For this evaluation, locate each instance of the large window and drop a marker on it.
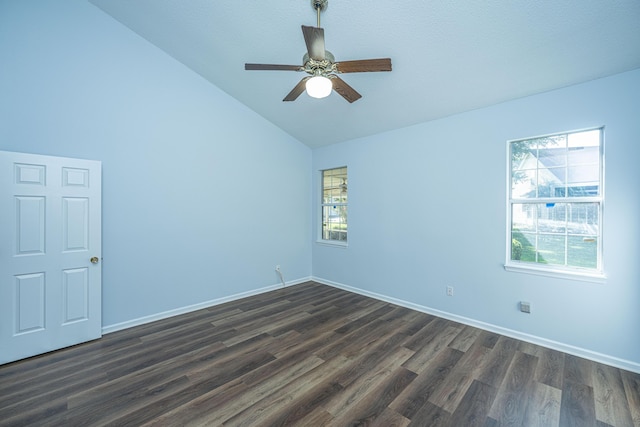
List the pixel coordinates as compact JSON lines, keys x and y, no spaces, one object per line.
{"x":555,"y":203}
{"x":334,"y":205}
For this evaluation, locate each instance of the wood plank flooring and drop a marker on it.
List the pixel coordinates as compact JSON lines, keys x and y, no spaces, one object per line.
{"x":313,"y":355}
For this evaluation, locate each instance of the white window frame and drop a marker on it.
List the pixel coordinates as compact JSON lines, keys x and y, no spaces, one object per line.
{"x":567,"y":272}
{"x":323,"y":205}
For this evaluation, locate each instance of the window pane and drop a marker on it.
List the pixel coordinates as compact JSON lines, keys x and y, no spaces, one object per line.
{"x":549,"y":180}
{"x":523,"y":246}
{"x":583,"y":218}
{"x":552,"y":218}
{"x":583,"y":191}
{"x":583,"y":180}
{"x":582,"y":251}
{"x":523,"y":217}
{"x":583,"y":155}
{"x":522,"y":152}
{"x":523,"y":184}
{"x":590,"y":138}
{"x":551,"y":249}
{"x":552,"y":157}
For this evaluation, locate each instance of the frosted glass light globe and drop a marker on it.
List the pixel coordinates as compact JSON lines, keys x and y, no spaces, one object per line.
{"x":319,"y":87}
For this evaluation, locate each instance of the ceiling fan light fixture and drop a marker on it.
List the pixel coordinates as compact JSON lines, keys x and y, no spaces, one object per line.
{"x":321,"y":67}
{"x":319,"y":87}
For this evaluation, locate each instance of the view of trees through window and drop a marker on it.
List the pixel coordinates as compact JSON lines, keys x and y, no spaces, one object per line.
{"x":334,"y":204}
{"x":556,"y":200}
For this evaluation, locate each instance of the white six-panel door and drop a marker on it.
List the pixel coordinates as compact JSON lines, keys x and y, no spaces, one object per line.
{"x":50,"y":253}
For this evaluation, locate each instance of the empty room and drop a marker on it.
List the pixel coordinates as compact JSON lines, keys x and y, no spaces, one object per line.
{"x":319,"y":213}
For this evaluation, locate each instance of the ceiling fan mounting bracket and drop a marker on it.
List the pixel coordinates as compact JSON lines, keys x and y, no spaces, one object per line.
{"x":320,"y":5}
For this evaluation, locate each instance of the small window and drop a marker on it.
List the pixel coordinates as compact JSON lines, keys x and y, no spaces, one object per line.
{"x":555,"y":203}
{"x":334,"y":205}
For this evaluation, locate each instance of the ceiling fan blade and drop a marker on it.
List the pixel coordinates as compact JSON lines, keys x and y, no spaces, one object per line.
{"x":344,"y":89}
{"x":296,"y":91}
{"x":364,"y":65}
{"x":272,"y":67}
{"x":314,"y":38}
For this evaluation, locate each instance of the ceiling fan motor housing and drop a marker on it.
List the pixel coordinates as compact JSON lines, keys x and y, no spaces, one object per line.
{"x":319,"y":67}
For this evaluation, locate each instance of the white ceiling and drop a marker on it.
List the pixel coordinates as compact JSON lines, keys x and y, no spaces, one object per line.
{"x":448,"y":56}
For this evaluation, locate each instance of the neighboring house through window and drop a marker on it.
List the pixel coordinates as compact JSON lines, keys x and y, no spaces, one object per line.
{"x":555,"y":203}
{"x":334,"y":205}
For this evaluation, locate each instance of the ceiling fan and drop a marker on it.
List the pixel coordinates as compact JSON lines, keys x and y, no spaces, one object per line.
{"x":321,"y":67}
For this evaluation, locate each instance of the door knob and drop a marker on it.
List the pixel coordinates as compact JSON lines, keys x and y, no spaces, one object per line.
{"x":94,"y":259}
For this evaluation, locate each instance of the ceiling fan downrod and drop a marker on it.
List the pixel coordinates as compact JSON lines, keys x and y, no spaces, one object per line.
{"x":319,"y":6}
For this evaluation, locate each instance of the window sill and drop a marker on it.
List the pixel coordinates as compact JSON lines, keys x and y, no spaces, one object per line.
{"x":562,"y":274}
{"x":333,"y":243}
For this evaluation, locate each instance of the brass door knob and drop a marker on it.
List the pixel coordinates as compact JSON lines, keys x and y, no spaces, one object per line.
{"x":94,"y":260}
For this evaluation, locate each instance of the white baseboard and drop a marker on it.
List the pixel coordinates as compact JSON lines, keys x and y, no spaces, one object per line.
{"x":554,"y":345}
{"x":187,"y":309}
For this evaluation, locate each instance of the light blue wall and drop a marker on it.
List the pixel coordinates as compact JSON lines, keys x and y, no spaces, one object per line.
{"x":427,"y":209}
{"x":201,"y":196}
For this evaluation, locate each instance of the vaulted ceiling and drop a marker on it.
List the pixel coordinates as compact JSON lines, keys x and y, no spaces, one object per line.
{"x":448,"y":56}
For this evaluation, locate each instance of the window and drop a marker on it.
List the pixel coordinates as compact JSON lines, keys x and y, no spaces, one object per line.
{"x":555,"y":203}
{"x":334,"y":205}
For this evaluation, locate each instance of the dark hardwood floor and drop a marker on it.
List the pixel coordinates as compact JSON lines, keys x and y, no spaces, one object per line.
{"x":313,"y":355}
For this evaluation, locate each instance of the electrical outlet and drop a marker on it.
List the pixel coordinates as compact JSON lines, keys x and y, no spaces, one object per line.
{"x":449,"y":291}
{"x":277,"y":268}
{"x":525,"y":307}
